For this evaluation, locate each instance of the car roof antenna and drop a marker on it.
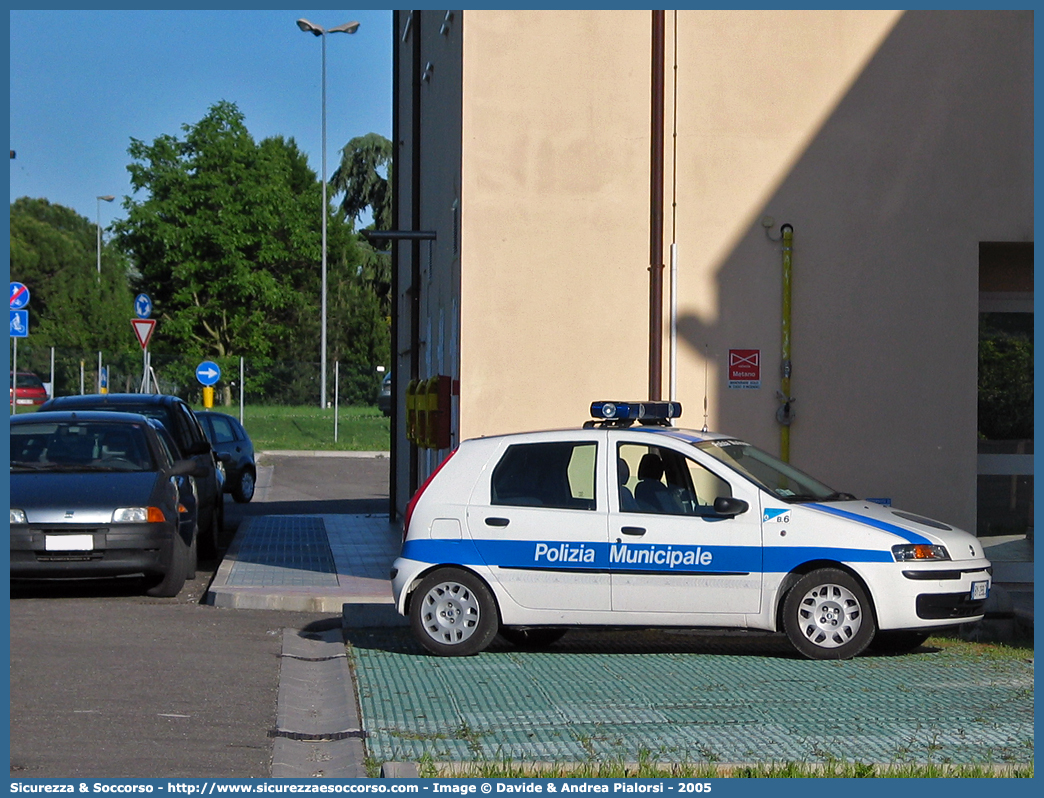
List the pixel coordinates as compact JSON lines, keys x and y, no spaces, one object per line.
{"x":706,"y":358}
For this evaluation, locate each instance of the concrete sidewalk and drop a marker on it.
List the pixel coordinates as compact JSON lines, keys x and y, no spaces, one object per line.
{"x":307,"y":563}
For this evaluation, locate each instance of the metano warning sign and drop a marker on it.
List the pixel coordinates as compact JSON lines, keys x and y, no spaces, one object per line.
{"x":744,"y":368}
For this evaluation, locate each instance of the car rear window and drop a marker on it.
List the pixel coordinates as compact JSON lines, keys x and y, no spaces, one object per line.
{"x":558,"y":474}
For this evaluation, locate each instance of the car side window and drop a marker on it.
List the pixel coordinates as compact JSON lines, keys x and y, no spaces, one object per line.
{"x":223,"y":432}
{"x":657,"y":480}
{"x":556,"y":474}
{"x":188,"y":427}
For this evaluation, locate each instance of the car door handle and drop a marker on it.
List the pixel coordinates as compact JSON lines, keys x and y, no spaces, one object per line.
{"x":633,"y":530}
{"x":497,"y":522}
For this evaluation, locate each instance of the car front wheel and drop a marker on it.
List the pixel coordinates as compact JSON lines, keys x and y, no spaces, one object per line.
{"x":243,"y":490}
{"x":169,"y":584}
{"x":827,"y":615}
{"x":453,"y":613}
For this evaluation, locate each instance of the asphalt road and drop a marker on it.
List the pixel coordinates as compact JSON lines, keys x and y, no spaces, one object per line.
{"x":108,"y":683}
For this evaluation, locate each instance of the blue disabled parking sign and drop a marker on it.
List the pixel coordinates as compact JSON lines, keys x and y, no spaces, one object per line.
{"x":208,"y":372}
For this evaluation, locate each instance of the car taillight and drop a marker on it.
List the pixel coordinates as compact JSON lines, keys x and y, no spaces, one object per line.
{"x":416,"y":496}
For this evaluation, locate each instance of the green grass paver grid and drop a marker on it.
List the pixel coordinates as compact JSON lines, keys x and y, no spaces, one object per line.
{"x":690,"y":706}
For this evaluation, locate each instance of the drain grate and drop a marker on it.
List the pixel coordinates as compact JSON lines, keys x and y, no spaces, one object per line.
{"x":322,"y":737}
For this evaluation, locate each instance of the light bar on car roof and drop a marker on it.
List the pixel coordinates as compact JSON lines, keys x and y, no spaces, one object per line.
{"x":643,"y":412}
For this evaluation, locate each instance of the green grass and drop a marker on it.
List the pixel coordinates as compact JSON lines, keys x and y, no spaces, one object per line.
{"x":651,"y":769}
{"x":361,"y":429}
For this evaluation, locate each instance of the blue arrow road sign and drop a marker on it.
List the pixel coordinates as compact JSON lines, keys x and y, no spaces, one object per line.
{"x":142,"y":306}
{"x":208,"y":372}
{"x":19,"y":323}
{"x":19,"y":296}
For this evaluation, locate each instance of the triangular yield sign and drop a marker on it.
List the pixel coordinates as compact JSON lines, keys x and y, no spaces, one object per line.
{"x":143,"y":329}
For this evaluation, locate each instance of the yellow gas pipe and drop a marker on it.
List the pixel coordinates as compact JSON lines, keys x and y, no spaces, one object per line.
{"x":785,"y":413}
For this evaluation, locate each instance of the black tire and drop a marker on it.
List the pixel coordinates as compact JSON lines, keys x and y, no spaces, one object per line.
{"x":897,"y":642}
{"x":170,"y":583}
{"x":827,"y":615}
{"x":210,"y":541}
{"x":243,"y":490}
{"x":193,"y":558}
{"x":540,"y":637}
{"x":453,"y":613}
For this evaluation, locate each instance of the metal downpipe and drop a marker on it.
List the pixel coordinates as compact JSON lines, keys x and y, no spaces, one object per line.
{"x":785,"y":413}
{"x":656,"y":210}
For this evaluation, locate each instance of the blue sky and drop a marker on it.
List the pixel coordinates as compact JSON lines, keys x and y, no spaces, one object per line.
{"x":83,"y":83}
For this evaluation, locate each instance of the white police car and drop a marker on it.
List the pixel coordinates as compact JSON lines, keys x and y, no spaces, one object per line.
{"x":623,"y":524}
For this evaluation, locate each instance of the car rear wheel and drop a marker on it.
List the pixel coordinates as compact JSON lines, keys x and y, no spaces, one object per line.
{"x":193,"y":558}
{"x":210,"y":540}
{"x":827,"y":615}
{"x":170,"y":583}
{"x":453,"y":613}
{"x":243,"y":490}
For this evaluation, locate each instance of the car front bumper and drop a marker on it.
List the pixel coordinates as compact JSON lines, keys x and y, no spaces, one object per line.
{"x":42,"y":551}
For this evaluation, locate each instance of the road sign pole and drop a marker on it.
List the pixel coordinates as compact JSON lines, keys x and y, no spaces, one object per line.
{"x":14,"y":379}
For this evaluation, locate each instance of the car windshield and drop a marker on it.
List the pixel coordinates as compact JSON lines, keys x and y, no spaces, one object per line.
{"x":80,"y":446}
{"x":778,"y":478}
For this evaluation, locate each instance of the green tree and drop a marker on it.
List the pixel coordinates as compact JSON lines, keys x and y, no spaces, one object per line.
{"x":223,"y":236}
{"x":359,"y":176}
{"x":54,"y":252}
{"x":228,"y":243}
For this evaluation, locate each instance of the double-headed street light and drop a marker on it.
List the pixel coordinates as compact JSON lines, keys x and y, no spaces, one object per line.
{"x":308,"y":27}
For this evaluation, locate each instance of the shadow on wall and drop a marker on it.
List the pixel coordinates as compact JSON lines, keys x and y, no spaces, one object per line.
{"x":929,"y":152}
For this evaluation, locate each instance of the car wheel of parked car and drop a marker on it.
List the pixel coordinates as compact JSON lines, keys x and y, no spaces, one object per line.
{"x":827,"y":615}
{"x":211,"y":538}
{"x":193,"y":560}
{"x":453,"y":613}
{"x":244,"y":490}
{"x":531,"y":638}
{"x":169,"y":584}
{"x":897,"y":642}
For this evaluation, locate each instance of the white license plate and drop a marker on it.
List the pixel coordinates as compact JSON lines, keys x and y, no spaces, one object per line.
{"x":980,"y":590}
{"x":69,"y":542}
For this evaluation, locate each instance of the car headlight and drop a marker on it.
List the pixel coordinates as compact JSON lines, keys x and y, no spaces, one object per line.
{"x":138,"y":515}
{"x":18,"y":517}
{"x":919,"y":551}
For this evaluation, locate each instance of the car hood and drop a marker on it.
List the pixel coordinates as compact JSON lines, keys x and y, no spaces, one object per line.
{"x":50,"y":496}
{"x":906,"y":526}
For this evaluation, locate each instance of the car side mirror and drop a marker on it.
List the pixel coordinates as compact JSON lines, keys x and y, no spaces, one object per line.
{"x":199,"y":447}
{"x":728,"y":507}
{"x":184,"y":468}
{"x":224,"y":457}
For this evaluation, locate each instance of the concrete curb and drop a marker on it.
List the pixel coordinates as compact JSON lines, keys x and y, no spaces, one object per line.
{"x":318,"y":731}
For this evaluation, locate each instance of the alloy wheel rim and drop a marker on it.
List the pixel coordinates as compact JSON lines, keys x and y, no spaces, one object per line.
{"x":829,"y":615}
{"x":450,"y":613}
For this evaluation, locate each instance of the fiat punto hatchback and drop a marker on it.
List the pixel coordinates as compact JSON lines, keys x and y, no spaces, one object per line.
{"x":644,"y":524}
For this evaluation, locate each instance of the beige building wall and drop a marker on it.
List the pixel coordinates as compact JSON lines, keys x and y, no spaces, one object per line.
{"x":894,"y":143}
{"x":555,"y":224}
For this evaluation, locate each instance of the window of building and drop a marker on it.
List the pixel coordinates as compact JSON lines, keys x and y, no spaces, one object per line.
{"x":1005,"y":417}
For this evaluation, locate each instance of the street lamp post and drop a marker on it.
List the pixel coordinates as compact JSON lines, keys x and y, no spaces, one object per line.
{"x":317,"y":30}
{"x":107,"y":198}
